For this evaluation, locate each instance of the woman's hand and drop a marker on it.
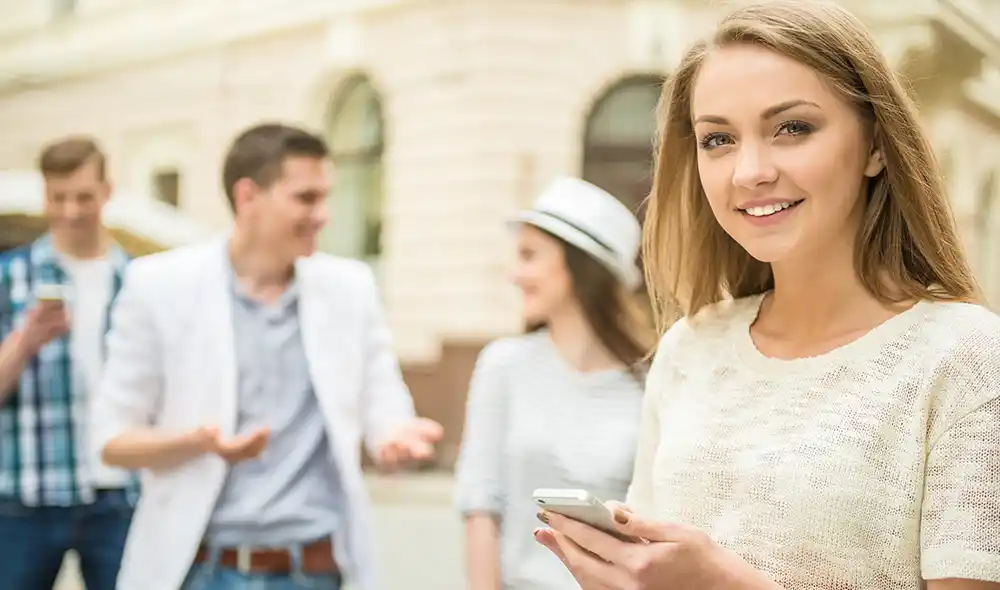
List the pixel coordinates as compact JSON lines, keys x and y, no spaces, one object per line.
{"x":668,"y":555}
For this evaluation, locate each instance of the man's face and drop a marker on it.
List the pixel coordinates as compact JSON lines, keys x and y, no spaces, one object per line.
{"x":74,"y":201}
{"x":287,"y":217}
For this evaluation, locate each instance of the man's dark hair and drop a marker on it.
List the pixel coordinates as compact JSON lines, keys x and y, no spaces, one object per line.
{"x":67,"y":155}
{"x":259,"y":152}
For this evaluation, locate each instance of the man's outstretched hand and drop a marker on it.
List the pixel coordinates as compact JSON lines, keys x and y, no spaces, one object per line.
{"x":413,"y":441}
{"x":241,"y":447}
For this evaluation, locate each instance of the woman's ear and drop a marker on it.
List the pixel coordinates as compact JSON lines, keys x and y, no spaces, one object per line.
{"x":876,"y":159}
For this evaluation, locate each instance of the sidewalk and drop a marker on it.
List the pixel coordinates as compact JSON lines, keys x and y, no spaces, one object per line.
{"x":419,"y":535}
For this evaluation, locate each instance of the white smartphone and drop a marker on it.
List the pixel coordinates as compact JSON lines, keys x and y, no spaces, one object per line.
{"x":579,"y":505}
{"x":50,"y":292}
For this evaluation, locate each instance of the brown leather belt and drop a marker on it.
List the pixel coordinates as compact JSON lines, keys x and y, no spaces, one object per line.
{"x":317,"y":559}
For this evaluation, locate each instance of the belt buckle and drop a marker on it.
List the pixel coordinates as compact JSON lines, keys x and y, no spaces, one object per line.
{"x":244,"y":559}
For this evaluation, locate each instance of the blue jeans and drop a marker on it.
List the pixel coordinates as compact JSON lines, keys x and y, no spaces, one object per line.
{"x":212,"y":576}
{"x":34,"y":541}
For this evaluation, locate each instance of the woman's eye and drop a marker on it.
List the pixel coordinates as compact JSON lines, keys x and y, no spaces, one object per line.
{"x":794,"y":128}
{"x":713,"y":140}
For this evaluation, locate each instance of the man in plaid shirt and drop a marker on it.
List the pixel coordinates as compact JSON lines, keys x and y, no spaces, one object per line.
{"x":55,"y":294}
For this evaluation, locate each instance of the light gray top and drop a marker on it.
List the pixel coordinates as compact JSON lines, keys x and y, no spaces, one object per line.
{"x":533,"y":421}
{"x":291,"y":492}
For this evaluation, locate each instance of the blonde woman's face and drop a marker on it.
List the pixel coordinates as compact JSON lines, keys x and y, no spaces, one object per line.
{"x":781,"y":156}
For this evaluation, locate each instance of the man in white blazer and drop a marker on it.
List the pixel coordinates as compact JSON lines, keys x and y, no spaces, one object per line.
{"x":241,"y":377}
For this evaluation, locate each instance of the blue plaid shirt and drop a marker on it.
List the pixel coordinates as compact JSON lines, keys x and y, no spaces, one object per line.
{"x":44,"y":459}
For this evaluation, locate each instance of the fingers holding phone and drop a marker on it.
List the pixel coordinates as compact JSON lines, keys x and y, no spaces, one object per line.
{"x":47,"y":320}
{"x":584,"y":507}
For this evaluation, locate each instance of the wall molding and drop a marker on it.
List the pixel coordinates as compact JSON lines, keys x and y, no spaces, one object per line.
{"x":976,"y":29}
{"x":151,"y":31}
{"x":660,"y":32}
{"x":899,"y":41}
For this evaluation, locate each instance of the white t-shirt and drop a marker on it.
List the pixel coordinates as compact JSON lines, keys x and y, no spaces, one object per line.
{"x":534,"y":421}
{"x":870,"y":466}
{"x":91,"y":281}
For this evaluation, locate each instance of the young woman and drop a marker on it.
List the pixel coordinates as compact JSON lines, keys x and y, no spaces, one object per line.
{"x":827,"y":415}
{"x":559,"y":406}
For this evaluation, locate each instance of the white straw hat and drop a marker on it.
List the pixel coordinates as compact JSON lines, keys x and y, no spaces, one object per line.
{"x":592,"y":220}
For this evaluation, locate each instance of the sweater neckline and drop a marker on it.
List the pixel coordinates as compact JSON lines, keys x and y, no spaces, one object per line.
{"x":868,"y":343}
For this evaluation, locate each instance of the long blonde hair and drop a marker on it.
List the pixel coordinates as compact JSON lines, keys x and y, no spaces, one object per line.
{"x":908,"y":247}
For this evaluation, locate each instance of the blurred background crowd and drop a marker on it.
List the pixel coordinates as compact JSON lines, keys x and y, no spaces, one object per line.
{"x":444,"y":117}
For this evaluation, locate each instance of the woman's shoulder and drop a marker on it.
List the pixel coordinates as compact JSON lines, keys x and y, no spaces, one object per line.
{"x":958,"y":331}
{"x":959,"y":344}
{"x":700,"y":339}
{"x":710,"y":323}
{"x":963,"y":340}
{"x":965,"y":315}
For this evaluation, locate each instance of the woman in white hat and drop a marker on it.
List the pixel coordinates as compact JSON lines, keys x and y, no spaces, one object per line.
{"x":558,"y":406}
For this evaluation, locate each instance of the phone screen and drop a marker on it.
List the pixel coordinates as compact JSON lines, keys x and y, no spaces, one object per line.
{"x":50,"y":293}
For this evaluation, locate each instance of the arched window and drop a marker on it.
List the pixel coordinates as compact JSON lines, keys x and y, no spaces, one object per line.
{"x":618,"y":141}
{"x":356,"y":136}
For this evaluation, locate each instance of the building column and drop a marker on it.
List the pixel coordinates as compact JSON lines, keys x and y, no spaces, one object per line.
{"x":984,"y":89}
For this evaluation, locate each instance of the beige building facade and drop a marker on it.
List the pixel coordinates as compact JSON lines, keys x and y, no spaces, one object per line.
{"x":444,"y":115}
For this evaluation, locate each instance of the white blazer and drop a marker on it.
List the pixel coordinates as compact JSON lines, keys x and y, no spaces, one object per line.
{"x":171,"y":364}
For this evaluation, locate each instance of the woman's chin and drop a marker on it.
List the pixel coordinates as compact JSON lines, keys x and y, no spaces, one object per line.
{"x":768,"y":253}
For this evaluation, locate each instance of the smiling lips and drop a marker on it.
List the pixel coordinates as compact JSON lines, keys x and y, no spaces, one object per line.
{"x":769,"y":213}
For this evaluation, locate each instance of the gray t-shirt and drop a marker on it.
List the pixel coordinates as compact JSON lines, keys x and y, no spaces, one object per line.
{"x":290,"y":493}
{"x":533,"y":421}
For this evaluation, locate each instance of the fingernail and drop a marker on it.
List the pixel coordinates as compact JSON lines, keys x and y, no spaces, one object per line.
{"x":621,"y":517}
{"x":542,"y":517}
